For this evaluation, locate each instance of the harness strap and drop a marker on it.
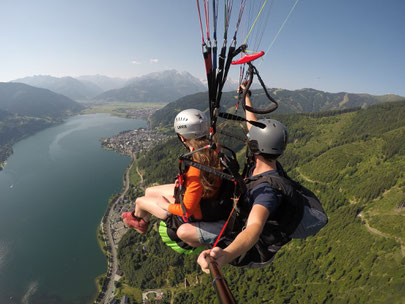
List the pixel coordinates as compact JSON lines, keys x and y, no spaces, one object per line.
{"x":206,"y":168}
{"x":235,"y":203}
{"x":179,"y":189}
{"x":253,"y":181}
{"x":239,"y":118}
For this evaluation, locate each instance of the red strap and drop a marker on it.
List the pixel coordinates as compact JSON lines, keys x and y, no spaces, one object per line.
{"x":179,"y":180}
{"x":185,"y":217}
{"x":248,"y":58}
{"x":226,"y":223}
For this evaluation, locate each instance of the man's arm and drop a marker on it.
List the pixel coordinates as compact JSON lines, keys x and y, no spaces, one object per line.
{"x":245,"y":240}
{"x":249,"y":115}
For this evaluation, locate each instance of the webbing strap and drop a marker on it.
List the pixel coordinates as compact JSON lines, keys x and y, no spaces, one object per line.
{"x":206,"y":168}
{"x":179,"y":190}
{"x":235,"y":203}
{"x":239,"y":118}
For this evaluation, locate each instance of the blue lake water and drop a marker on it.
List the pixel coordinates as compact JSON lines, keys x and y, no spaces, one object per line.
{"x":53,"y":193}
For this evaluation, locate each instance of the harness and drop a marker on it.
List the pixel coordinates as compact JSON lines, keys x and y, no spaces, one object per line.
{"x":212,"y":209}
{"x":280,"y":226}
{"x":233,"y":186}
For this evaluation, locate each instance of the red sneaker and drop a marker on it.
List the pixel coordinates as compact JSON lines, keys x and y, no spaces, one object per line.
{"x":137,"y":223}
{"x":126,"y":214}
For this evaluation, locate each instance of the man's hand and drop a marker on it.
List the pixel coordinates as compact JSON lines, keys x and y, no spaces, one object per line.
{"x":217,"y":253}
{"x":240,"y":89}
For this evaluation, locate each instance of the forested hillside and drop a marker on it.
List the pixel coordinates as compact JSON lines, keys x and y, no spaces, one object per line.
{"x":25,"y":110}
{"x":22,"y":99}
{"x":14,"y":128}
{"x":298,"y":101}
{"x":355,"y":162}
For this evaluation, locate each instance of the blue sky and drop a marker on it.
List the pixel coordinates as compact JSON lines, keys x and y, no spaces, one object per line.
{"x":353,"y":46}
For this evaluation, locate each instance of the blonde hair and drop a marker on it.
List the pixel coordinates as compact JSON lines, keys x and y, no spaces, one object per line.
{"x":209,"y":158}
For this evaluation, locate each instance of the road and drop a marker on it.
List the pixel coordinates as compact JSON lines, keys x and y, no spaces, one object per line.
{"x":113,"y":264}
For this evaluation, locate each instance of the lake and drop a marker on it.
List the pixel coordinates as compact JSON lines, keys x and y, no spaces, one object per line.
{"x":54,"y":191}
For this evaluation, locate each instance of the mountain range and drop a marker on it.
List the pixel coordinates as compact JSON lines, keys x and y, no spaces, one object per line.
{"x":173,"y":86}
{"x":159,"y":87}
{"x":104,"y":83}
{"x":297,"y":101}
{"x":162,"y":87}
{"x":79,"y":90}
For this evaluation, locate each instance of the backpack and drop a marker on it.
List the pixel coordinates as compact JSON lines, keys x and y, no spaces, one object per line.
{"x":300,"y":215}
{"x":308,"y":216}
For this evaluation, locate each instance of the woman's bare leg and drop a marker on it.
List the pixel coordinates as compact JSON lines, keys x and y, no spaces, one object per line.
{"x":147,"y":206}
{"x":166,"y":190}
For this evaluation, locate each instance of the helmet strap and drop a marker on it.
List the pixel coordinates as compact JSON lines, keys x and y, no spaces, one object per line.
{"x":181,"y":140}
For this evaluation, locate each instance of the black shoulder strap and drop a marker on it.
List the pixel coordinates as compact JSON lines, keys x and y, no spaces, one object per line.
{"x":274,"y":181}
{"x":208,"y":169}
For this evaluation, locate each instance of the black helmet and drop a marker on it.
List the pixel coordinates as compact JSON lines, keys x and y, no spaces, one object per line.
{"x":191,"y":124}
{"x":270,"y":140}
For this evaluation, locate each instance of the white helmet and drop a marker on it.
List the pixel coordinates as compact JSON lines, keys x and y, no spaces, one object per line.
{"x":191,"y":124}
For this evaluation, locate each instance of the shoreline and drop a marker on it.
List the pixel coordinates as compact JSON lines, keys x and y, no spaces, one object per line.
{"x":112,"y":228}
{"x":4,"y":155}
{"x":108,"y":229}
